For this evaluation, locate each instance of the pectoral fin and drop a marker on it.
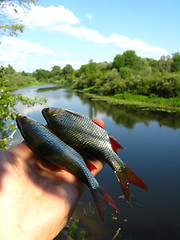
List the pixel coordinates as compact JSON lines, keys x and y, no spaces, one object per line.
{"x":90,"y":166}
{"x":115,"y":145}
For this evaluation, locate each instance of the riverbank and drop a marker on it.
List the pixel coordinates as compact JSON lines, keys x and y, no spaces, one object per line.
{"x":131,"y":100}
{"x":16,"y":87}
{"x":138,"y":101}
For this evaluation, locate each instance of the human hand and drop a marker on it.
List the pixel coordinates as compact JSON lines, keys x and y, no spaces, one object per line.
{"x":35,"y":202}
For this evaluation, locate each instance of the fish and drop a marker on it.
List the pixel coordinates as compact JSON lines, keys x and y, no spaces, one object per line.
{"x":53,"y":150}
{"x":91,"y":141}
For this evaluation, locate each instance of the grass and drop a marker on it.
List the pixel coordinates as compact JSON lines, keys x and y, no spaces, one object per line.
{"x":15,"y":87}
{"x":16,"y":80}
{"x":175,"y":102}
{"x":140,"y":101}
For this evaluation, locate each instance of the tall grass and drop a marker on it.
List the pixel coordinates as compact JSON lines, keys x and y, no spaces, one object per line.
{"x":148,"y":99}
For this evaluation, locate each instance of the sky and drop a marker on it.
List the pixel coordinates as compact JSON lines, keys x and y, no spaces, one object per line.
{"x":72,"y":32}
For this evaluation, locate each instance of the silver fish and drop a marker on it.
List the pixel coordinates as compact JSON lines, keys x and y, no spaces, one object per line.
{"x":49,"y":147}
{"x":90,"y":140}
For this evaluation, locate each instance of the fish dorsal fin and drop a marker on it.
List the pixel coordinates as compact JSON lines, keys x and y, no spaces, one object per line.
{"x":75,"y":114}
{"x":90,"y":166}
{"x":115,"y":145}
{"x":97,"y":123}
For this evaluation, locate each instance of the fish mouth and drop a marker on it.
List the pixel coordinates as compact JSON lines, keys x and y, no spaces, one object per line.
{"x":20,"y":120}
{"x":46,"y":112}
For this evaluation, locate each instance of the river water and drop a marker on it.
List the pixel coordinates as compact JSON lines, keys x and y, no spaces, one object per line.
{"x":151,"y":142}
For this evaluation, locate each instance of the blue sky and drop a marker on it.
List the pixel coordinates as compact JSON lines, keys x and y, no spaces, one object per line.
{"x":73,"y":32}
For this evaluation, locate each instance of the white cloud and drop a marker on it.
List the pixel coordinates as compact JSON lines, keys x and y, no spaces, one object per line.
{"x":20,"y":45}
{"x":20,"y":53}
{"x":82,"y":32}
{"x":41,"y":16}
{"x":16,"y":51}
{"x":142,"y":49}
{"x":136,"y":45}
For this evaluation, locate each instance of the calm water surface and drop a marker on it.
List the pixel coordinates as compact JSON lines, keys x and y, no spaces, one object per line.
{"x":151,"y":142}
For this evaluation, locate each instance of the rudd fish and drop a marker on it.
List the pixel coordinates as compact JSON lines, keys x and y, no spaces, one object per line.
{"x":90,"y":140}
{"x":51,"y":148}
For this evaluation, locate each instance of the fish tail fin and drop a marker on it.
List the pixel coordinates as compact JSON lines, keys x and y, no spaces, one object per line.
{"x":127,"y":176}
{"x":100,"y":195}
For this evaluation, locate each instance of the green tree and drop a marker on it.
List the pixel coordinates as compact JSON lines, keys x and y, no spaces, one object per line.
{"x":8,"y":101}
{"x":8,"y":112}
{"x":10,"y":69}
{"x":175,"y":67}
{"x":130,"y":59}
{"x":41,"y":74}
{"x":104,"y":66}
{"x":127,"y":59}
{"x":12,"y":26}
{"x":68,"y":69}
{"x":92,"y":66}
{"x":56,"y":68}
{"x":118,"y":62}
{"x":125,"y":72}
{"x":23,"y":73}
{"x":165,"y":64}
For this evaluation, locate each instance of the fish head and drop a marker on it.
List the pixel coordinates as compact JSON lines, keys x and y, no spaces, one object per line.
{"x":52,"y":112}
{"x":59,"y":114}
{"x":26,"y":124}
{"x":22,"y":120}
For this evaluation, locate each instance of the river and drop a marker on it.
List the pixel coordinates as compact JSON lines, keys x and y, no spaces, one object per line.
{"x":151,"y":142}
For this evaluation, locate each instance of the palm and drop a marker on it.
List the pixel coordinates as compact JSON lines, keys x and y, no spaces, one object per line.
{"x":40,"y":200}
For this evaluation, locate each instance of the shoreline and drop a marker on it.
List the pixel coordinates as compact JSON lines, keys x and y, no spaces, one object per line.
{"x":115,"y":100}
{"x":153,"y":106}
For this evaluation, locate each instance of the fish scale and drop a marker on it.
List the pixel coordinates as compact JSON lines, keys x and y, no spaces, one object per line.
{"x":52,"y":149}
{"x":90,"y":140}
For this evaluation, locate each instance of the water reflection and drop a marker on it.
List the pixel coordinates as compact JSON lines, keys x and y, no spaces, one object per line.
{"x":50,"y":88}
{"x":151,"y":140}
{"x":129,"y":116}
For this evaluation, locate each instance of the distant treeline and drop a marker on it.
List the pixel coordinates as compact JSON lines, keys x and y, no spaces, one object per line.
{"x":128,"y":73}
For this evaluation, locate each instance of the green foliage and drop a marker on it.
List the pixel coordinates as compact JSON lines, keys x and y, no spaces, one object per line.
{"x":127,"y":77}
{"x":130,"y":59}
{"x":12,"y":26}
{"x":118,"y":62}
{"x":148,"y":99}
{"x":165,"y":64}
{"x":125,"y":72}
{"x":9,"y":79}
{"x":127,"y":59}
{"x":129,"y":73}
{"x":8,"y":101}
{"x":175,"y":67}
{"x":68,"y":69}
{"x":75,"y":231}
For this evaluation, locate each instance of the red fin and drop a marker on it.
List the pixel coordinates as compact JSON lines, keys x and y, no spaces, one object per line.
{"x":127,"y":176}
{"x":97,"y":123}
{"x":90,"y":166}
{"x":100,"y":195}
{"x":115,"y":145}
